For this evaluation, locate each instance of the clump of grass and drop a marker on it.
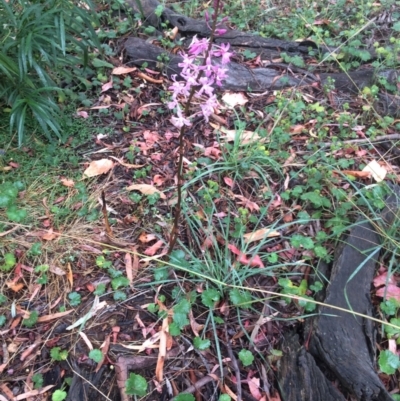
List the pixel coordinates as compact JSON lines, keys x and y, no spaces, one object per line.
{"x":40,"y":45}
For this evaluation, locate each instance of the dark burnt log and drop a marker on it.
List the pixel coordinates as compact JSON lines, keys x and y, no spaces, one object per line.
{"x":266,"y":48}
{"x":84,"y":384}
{"x":344,"y":342}
{"x":272,"y":77}
{"x":239,"y":77}
{"x":342,"y":345}
{"x":299,"y":377}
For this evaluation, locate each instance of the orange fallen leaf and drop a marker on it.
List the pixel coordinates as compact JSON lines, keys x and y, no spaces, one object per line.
{"x":253,"y":261}
{"x":297,"y":129}
{"x":247,"y":203}
{"x":149,"y":79}
{"x":356,"y":173}
{"x":98,"y":167}
{"x":228,"y":181}
{"x":15,"y":286}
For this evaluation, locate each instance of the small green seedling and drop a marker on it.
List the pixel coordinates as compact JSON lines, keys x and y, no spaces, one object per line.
{"x":136,"y":385}
{"x":57,"y":354}
{"x":201,"y":344}
{"x":96,"y":355}
{"x":59,"y":395}
{"x":9,"y":262}
{"x":74,"y":298}
{"x":388,"y":362}
{"x":38,"y":380}
{"x":246,"y":357}
{"x":31,"y":320}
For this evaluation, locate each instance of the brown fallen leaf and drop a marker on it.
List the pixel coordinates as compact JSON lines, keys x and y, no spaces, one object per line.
{"x":243,"y":137}
{"x":50,"y":235}
{"x":154,"y":248}
{"x":48,"y":318}
{"x":254,"y":386}
{"x":33,"y":393}
{"x":260,"y":234}
{"x":108,"y":85}
{"x":104,"y":349}
{"x":146,"y":189}
{"x":162,"y":352}
{"x":30,"y":349}
{"x":70,"y":276}
{"x":128,"y":267}
{"x":5,"y":390}
{"x":57,"y":270}
{"x":67,"y":182}
{"x":147,"y":237}
{"x":196,"y":327}
{"x":377,"y":171}
{"x":149,"y":79}
{"x":128,"y":165}
{"x":233,"y":99}
{"x":123,"y":70}
{"x":98,"y":167}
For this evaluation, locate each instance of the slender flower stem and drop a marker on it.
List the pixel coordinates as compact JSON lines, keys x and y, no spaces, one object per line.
{"x":178,"y":209}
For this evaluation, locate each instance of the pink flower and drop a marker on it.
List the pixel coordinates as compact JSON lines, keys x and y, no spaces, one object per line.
{"x":178,"y":88}
{"x":220,"y":31}
{"x":198,"y":46}
{"x":206,"y":87}
{"x":208,"y":107}
{"x":220,"y":75}
{"x":204,"y":90}
{"x":179,"y":122}
{"x":222,"y":52}
{"x":187,"y":62}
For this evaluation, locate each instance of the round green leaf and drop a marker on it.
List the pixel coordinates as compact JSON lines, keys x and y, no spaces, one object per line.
{"x":246,"y":357}
{"x":96,"y":355}
{"x":201,"y":344}
{"x":136,"y":385}
{"x":388,"y":362}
